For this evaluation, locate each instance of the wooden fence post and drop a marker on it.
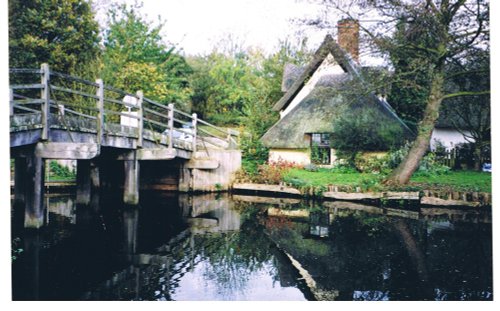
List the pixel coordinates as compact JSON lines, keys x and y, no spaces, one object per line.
{"x":11,"y":101}
{"x":140,"y":97}
{"x":170,"y":126}
{"x":195,"y":129}
{"x":46,"y":100}
{"x":100,"y":113}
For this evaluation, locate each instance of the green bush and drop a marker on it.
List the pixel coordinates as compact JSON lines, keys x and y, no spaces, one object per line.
{"x":363,"y":129}
{"x":371,"y":164}
{"x":428,"y":165}
{"x":59,"y":171}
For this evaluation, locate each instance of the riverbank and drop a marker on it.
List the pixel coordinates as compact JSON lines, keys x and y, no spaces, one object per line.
{"x":423,"y":197}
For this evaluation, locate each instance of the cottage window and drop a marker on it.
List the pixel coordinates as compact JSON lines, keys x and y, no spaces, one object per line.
{"x":320,"y":148}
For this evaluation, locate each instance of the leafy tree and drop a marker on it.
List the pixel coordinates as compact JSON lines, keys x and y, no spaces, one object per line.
{"x":222,"y":87}
{"x":430,"y":35}
{"x":62,"y":33}
{"x":136,"y":58}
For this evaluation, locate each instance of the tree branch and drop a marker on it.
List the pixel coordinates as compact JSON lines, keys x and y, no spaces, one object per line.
{"x":465,"y":93}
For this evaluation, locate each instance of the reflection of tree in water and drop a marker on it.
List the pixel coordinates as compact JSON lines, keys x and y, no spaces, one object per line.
{"x":370,"y":256}
{"x":237,"y":257}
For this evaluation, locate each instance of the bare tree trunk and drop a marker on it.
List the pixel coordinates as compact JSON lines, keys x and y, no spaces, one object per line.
{"x":477,"y":157}
{"x":403,"y":173}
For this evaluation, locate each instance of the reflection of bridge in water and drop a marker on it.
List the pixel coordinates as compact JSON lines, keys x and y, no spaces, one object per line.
{"x":213,"y":226}
{"x":65,"y":117}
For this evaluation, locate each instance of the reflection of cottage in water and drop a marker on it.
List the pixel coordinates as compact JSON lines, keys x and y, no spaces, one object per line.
{"x":352,"y":251}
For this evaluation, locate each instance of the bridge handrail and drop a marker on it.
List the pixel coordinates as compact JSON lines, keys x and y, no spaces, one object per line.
{"x":146,"y":111}
{"x":73,"y":78}
{"x":25,"y":70}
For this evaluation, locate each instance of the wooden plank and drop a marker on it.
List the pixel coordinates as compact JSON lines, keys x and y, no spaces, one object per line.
{"x":442,"y":202}
{"x":352,"y":195}
{"x":72,"y":151}
{"x":156,"y":154}
{"x":149,"y":154}
{"x":392,"y":195}
{"x":266,"y":188}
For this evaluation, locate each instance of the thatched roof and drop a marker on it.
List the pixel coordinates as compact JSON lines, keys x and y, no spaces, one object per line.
{"x":317,"y":111}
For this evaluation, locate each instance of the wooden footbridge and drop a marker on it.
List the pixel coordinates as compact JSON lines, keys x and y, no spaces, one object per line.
{"x":58,"y":116}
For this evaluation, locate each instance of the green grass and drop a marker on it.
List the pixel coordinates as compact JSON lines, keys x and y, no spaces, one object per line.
{"x":454,"y":180}
{"x":325,"y":177}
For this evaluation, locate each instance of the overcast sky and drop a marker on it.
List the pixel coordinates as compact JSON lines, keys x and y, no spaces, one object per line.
{"x":197,"y":26}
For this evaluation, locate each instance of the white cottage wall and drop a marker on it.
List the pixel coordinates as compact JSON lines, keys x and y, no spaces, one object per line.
{"x":448,"y":137}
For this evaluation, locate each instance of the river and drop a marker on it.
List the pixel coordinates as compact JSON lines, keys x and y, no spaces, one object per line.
{"x":236,"y":247}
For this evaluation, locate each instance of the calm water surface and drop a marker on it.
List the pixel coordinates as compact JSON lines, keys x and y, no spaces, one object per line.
{"x":223,"y":247}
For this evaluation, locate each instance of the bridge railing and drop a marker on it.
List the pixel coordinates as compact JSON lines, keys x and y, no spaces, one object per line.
{"x":55,"y":100}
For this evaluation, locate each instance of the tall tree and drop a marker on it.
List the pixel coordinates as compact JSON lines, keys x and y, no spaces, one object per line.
{"x":471,"y":115}
{"x":62,"y":33}
{"x":430,"y":35}
{"x":136,"y":57}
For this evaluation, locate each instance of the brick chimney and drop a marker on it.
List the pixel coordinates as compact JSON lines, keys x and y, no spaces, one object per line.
{"x":348,"y":36}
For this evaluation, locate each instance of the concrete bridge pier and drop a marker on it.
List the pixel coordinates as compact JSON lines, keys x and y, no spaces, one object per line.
{"x":131,"y":185}
{"x":29,"y":188}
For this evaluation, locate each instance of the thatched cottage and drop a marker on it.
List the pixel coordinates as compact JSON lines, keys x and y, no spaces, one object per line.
{"x":313,"y":98}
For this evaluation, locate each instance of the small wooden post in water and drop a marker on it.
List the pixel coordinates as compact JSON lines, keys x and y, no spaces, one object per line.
{"x":195,"y":121}
{"x":170,"y":126}
{"x":46,"y":100}
{"x":140,"y":97}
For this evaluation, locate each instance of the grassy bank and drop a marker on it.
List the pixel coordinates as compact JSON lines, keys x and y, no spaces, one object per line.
{"x":453,"y":180}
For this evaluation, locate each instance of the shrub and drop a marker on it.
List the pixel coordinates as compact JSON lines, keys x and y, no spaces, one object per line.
{"x":311,"y":168}
{"x":363,"y":129}
{"x":371,"y":164}
{"x":60,"y":171}
{"x":273,"y":172}
{"x":428,"y":165}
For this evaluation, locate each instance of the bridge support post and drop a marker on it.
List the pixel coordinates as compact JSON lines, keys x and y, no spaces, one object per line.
{"x":83,"y":182}
{"x":131,"y":186}
{"x":19,"y":182}
{"x":95,"y":181}
{"x":33,"y":180}
{"x":87,"y":180}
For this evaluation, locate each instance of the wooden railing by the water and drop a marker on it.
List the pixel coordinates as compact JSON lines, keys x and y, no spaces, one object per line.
{"x":72,"y":103}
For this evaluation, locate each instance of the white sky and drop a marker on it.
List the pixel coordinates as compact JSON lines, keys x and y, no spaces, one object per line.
{"x":197,"y":26}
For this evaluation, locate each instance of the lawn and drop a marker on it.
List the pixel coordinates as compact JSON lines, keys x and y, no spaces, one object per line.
{"x":453,"y":180}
